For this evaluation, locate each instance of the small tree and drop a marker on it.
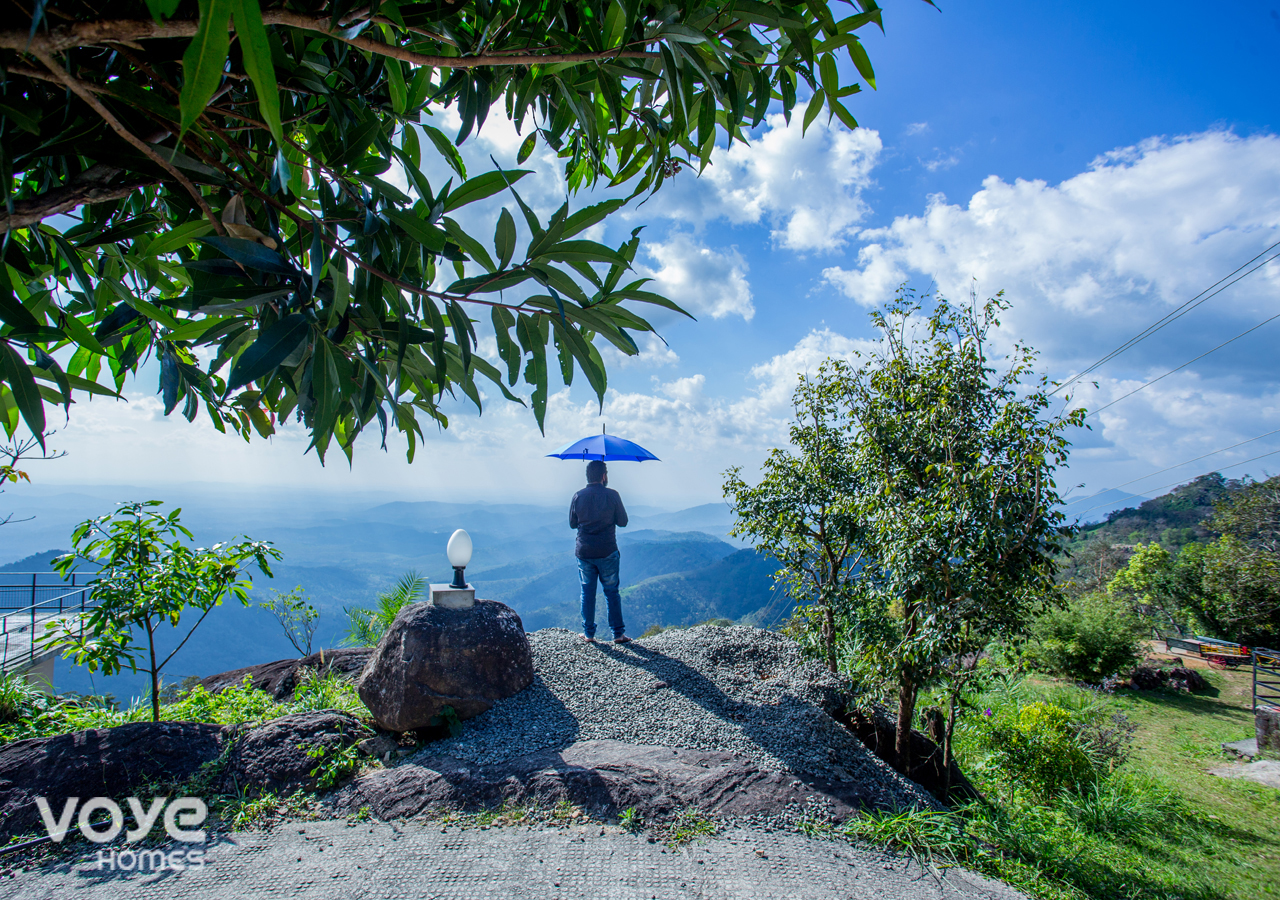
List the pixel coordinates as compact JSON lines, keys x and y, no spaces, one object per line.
{"x":367,"y":626}
{"x":296,"y":616}
{"x":1241,"y":570}
{"x":147,"y":576}
{"x":803,"y":511}
{"x":957,"y":500}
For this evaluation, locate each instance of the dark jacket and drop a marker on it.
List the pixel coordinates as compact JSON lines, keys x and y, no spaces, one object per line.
{"x":594,"y":511}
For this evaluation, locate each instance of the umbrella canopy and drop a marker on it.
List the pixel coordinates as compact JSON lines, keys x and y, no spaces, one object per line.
{"x":605,"y":447}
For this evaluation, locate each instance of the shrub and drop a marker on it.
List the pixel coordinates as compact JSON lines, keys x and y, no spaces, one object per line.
{"x":1035,"y":746}
{"x":19,"y":698}
{"x":1087,"y":640}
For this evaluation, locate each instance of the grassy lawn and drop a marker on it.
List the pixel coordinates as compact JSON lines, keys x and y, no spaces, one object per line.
{"x":1178,"y":740}
{"x":1159,"y":828}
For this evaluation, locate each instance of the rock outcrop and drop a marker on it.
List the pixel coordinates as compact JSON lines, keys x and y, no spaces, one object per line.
{"x":606,"y":776}
{"x":145,"y":758}
{"x":1179,"y":678}
{"x":280,"y":755}
{"x":100,"y":762}
{"x":279,"y":678}
{"x":432,"y":657}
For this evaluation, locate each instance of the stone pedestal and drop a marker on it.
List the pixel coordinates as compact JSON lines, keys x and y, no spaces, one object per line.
{"x":1267,"y":727}
{"x":450,"y":597}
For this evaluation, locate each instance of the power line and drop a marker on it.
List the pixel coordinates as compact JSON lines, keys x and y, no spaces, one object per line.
{"x":1183,"y":366}
{"x":1175,"y":483}
{"x":1190,"y":461}
{"x":1208,"y":293}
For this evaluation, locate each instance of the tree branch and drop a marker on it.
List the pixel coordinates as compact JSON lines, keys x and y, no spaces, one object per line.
{"x":85,"y":93}
{"x":126,"y":31}
{"x":93,"y":185}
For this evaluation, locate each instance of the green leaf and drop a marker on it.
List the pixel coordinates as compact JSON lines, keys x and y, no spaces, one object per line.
{"x":482,"y":186}
{"x":428,"y":235}
{"x":73,"y":261}
{"x":527,"y":147}
{"x":162,"y":9}
{"x":256,"y":50}
{"x":204,"y":60}
{"x":590,"y":215}
{"x":25,"y":392}
{"x":269,"y":350}
{"x":842,"y":114}
{"x":178,"y":237}
{"x":581,"y":251}
{"x":446,"y":149}
{"x":12,"y":312}
{"x":473,"y":247}
{"x":858,"y":54}
{"x":504,"y":238}
{"x":830,"y":75}
{"x":811,"y":111}
{"x":507,"y":349}
{"x":327,"y":390}
{"x":396,"y":87}
{"x":251,"y":254}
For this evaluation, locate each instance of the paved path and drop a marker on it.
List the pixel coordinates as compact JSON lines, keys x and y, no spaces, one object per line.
{"x":334,"y":859}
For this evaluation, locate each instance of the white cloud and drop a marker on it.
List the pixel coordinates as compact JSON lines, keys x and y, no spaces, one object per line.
{"x":1145,"y":228}
{"x":917,"y":128}
{"x":654,"y":354}
{"x":941,"y":163}
{"x":808,"y":190}
{"x":1097,"y":258}
{"x":702,"y":280}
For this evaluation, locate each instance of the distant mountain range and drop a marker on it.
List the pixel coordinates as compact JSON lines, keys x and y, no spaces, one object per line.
{"x":678,"y":568}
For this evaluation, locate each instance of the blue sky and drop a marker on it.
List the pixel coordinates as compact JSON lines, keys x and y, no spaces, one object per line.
{"x":1101,"y":163}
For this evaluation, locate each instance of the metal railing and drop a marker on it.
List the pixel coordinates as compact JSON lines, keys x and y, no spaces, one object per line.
{"x":17,"y":618}
{"x":1266,"y":680}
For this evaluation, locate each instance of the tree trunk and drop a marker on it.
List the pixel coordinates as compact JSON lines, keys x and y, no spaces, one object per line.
{"x":829,"y":626}
{"x":907,"y":691}
{"x":155,"y":676}
{"x":946,"y":748}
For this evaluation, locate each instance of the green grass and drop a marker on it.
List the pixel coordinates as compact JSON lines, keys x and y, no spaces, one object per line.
{"x":1151,"y":823}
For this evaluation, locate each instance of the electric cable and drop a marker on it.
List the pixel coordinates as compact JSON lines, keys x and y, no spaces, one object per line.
{"x":1208,"y":293}
{"x":1183,"y":366}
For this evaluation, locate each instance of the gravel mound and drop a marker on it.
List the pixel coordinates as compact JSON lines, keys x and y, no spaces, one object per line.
{"x":731,"y":689}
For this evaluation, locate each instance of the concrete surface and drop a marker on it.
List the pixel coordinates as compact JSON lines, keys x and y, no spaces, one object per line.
{"x":337,"y":859}
{"x":1263,"y":771}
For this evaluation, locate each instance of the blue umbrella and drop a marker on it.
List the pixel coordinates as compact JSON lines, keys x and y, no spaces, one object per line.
{"x":606,"y":447}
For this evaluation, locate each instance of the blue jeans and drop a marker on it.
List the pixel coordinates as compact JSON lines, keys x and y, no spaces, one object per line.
{"x":605,"y":570}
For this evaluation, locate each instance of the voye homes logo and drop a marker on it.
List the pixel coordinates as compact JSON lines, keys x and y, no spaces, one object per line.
{"x":101,"y":820}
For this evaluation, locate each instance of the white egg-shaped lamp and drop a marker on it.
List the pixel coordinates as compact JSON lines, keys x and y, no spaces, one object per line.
{"x":459,"y":552}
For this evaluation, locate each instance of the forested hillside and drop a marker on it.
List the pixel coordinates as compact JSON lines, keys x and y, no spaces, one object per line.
{"x":1172,"y":520}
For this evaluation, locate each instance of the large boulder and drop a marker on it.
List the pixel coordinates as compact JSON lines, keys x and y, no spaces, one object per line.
{"x":100,"y":762}
{"x":432,"y":657}
{"x":279,"y":678}
{"x":282,"y":754}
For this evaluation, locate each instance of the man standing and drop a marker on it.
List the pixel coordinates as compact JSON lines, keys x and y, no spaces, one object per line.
{"x":595,"y":511}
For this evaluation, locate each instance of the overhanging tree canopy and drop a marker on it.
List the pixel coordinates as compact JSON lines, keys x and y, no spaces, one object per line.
{"x":222,"y":173}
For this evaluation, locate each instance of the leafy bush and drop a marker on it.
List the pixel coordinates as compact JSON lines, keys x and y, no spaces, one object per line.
{"x":1090,"y":638}
{"x":1035,"y":746}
